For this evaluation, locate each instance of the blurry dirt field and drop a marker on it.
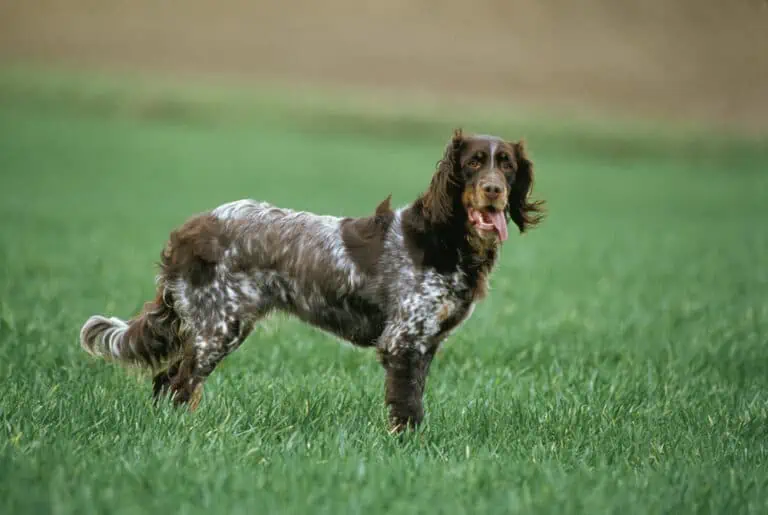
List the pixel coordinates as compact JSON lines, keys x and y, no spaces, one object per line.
{"x":703,"y":60}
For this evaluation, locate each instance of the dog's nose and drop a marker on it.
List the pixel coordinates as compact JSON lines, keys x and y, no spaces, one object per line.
{"x":492,"y":191}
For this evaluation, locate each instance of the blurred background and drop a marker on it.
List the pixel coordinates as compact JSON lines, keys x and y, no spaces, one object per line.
{"x":690,"y":61}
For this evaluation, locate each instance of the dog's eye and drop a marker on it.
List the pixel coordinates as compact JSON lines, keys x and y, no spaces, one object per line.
{"x":474,"y":163}
{"x":504,"y":162}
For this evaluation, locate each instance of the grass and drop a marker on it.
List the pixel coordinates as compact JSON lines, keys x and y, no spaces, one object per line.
{"x":617,"y":367}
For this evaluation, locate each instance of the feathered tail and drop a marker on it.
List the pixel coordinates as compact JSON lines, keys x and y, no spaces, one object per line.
{"x":146,"y":340}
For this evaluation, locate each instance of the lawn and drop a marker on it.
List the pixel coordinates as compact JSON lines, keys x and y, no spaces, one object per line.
{"x":618,"y":365}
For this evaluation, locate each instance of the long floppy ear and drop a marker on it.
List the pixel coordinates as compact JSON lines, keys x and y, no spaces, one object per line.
{"x":438,"y":201}
{"x":526,"y":213}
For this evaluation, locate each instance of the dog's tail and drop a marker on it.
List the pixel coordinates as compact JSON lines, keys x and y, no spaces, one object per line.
{"x":146,"y":340}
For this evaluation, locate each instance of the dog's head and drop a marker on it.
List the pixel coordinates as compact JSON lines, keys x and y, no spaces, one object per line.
{"x":486,"y":179}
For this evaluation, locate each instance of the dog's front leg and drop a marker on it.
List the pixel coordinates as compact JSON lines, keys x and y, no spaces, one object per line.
{"x":406,"y":374}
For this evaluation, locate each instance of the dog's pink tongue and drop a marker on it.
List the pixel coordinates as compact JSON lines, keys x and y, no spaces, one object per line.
{"x":500,"y":223}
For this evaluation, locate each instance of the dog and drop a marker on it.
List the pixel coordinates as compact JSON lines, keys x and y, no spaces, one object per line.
{"x":399,"y":280}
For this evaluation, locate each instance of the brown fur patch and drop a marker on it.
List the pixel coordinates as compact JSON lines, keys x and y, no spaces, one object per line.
{"x":468,"y":196}
{"x":406,"y":376}
{"x":194,"y":249}
{"x":154,"y":334}
{"x":525,"y":213}
{"x":364,"y":237}
{"x":481,"y":288}
{"x":445,"y":312}
{"x":437,"y":200}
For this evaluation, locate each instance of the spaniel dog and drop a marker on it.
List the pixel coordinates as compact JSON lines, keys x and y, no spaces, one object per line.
{"x":399,"y":281}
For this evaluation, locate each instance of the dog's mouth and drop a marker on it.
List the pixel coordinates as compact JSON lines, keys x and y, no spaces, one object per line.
{"x":489,"y":220}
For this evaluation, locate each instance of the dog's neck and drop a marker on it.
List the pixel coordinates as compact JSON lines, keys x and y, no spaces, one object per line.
{"x":450,"y":244}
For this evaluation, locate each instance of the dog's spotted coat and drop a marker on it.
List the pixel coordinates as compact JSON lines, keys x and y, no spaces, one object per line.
{"x":399,"y":281}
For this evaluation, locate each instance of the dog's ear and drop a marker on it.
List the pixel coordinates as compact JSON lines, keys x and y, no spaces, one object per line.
{"x":522,"y":210}
{"x":438,"y":200}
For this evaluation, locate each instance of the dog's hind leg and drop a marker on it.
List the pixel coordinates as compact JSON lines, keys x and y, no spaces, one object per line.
{"x":185,"y":376}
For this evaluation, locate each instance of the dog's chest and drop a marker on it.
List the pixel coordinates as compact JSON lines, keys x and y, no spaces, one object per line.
{"x":437,"y":303}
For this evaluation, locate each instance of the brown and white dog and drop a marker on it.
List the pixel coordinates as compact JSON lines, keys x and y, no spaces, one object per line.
{"x":398,"y":281}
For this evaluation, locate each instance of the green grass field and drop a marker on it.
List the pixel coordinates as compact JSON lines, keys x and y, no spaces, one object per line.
{"x":618,"y":365}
